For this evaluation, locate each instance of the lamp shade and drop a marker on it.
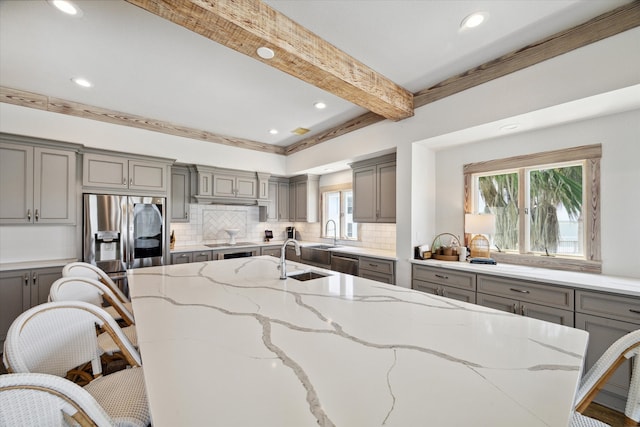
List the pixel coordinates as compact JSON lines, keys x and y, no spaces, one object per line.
{"x":479,"y":223}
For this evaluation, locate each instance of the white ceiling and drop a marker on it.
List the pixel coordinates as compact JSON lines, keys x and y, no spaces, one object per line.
{"x":141,"y":64}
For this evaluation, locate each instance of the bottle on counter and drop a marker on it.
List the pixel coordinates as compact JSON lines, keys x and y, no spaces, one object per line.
{"x":172,"y":240}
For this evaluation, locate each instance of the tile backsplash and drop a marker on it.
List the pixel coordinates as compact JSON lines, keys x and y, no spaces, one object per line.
{"x":209,"y":222}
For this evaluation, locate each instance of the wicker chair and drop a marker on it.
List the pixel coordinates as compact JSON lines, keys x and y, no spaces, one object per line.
{"x":46,"y":400}
{"x":94,"y":292}
{"x":56,"y":337}
{"x":83,"y":269}
{"x":624,"y":348}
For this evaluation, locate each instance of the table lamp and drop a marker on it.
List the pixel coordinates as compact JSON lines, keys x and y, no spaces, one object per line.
{"x":477,"y":225}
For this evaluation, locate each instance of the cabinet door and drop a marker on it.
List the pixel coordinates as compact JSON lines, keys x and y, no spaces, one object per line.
{"x":283,"y":201}
{"x":364,"y":194}
{"x":271,"y":250}
{"x":179,"y":195}
{"x":54,"y":186}
{"x":16,"y":184}
{"x":458,"y":294}
{"x":147,"y":176}
{"x":602,"y":333}
{"x":104,"y":171}
{"x":224,"y":185}
{"x":41,"y":281}
{"x":548,"y":314}
{"x":201,"y":256}
{"x":498,"y":303}
{"x":181,"y":258}
{"x":386,"y":192}
{"x":427,"y":287}
{"x":246,"y":187}
{"x":14,"y":297}
{"x":272,"y":202}
{"x":301,"y":201}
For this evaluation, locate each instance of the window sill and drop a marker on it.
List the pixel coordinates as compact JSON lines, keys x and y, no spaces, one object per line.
{"x":553,"y":262}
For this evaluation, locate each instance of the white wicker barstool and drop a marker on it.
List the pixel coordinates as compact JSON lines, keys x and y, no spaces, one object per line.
{"x":627,"y":347}
{"x":32,"y":399}
{"x":56,"y":337}
{"x":94,"y":292}
{"x":83,"y":269}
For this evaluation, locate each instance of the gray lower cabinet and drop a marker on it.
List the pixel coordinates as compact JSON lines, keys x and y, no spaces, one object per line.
{"x":37,"y":185}
{"x":608,"y":317}
{"x":290,"y":254}
{"x":545,"y":302}
{"x":182,"y":258}
{"x":271,"y":250}
{"x":447,"y":283}
{"x":201,"y":256}
{"x":180,"y":194}
{"x":377,"y":269}
{"x":21,"y":290}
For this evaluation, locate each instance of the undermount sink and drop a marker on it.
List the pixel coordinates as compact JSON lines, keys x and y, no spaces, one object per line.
{"x":307,"y":275}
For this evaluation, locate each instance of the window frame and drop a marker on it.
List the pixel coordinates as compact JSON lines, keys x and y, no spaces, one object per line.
{"x":591,"y":156}
{"x":341,"y":188}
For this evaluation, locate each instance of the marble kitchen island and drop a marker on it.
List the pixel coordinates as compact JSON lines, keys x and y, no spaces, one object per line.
{"x":226,"y":343}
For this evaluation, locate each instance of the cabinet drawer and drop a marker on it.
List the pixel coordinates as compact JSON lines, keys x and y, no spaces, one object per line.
{"x":445,"y":291}
{"x":182,"y":258}
{"x":619,"y":307}
{"x":377,"y":265}
{"x":445,"y":277}
{"x":378,"y":277}
{"x":553,"y":296}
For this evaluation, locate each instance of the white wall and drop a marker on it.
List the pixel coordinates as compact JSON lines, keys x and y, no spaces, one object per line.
{"x":620,"y":178}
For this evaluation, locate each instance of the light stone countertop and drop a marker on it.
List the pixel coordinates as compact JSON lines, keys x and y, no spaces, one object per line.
{"x":355,"y":250}
{"x":228,"y":343}
{"x":27,"y":265}
{"x":596,"y":282}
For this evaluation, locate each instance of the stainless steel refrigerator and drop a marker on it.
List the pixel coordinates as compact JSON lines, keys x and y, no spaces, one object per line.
{"x":123,"y":232}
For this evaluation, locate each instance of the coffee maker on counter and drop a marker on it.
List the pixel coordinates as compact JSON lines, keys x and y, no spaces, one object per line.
{"x":291,"y":232}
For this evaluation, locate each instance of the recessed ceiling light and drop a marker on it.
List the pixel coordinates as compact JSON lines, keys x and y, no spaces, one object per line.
{"x":474,"y":20}
{"x":509,"y":126}
{"x":67,"y":7}
{"x":273,"y":131}
{"x":80,"y":81}
{"x":320,"y":105}
{"x":265,"y":52}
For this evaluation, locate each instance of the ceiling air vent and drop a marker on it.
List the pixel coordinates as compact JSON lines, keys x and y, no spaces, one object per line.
{"x":300,"y":131}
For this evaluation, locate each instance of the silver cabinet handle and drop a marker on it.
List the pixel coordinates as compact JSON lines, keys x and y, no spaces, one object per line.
{"x":26,"y":279}
{"x":184,"y":256}
{"x":131,"y":181}
{"x":37,"y":215}
{"x":515,"y":308}
{"x":186,"y":215}
{"x":444,"y":292}
{"x":522,"y":310}
{"x":372,"y":265}
{"x":440,"y":276}
{"x":124,"y":180}
{"x":34,"y":278}
{"x":29,"y":215}
{"x":634,"y":311}
{"x":519,"y":290}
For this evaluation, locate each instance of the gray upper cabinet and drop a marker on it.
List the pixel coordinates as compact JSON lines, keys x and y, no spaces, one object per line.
{"x":304,"y":195}
{"x":276,"y":207}
{"x":374,"y":190}
{"x":37,"y":185}
{"x":180,"y":194}
{"x":121,"y":173}
{"x":235,"y":186}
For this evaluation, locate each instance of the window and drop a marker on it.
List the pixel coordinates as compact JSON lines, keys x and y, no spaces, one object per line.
{"x":337,"y":206}
{"x":546,"y":207}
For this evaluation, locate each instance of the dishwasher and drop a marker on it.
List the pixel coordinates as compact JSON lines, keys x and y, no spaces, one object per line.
{"x":344,"y":263}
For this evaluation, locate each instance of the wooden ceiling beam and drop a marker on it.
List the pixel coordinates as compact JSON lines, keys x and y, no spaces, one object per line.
{"x":246,"y":25}
{"x":606,"y":25}
{"x":70,"y":108}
